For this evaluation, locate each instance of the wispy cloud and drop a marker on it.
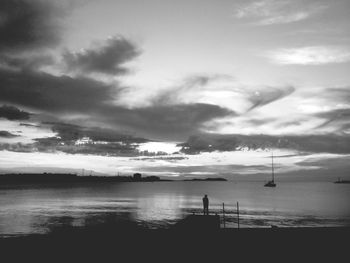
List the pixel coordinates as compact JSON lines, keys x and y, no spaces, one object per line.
{"x":269,"y":12}
{"x":284,"y":19}
{"x":259,"y":99}
{"x":313,"y":55}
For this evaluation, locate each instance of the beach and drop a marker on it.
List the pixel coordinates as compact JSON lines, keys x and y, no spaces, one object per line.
{"x":129,"y":244}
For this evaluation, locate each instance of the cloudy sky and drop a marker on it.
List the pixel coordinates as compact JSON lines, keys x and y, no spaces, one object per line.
{"x":181,"y":88}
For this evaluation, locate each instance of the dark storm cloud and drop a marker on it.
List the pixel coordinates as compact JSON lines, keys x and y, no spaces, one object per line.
{"x":70,"y":132}
{"x":28,"y":24}
{"x":17,"y":147}
{"x":103,"y":141}
{"x":13,"y":113}
{"x":51,"y":93}
{"x":54,"y":144}
{"x":173,"y":120}
{"x":25,"y":62}
{"x":268,"y":95}
{"x":329,"y":143}
{"x":108,"y":58}
{"x":27,"y":28}
{"x":6,"y":134}
{"x":63,"y":94}
{"x":168,"y":121}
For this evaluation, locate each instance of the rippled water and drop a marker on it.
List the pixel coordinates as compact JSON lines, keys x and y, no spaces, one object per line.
{"x":161,"y":204}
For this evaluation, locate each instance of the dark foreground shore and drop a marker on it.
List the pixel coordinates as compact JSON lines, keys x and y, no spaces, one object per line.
{"x":126,"y":243}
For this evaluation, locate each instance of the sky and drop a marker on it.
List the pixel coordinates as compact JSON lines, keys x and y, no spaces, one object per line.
{"x":195,"y":88}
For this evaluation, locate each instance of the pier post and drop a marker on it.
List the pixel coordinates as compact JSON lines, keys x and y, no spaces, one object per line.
{"x":223,"y":212}
{"x":238,"y":214}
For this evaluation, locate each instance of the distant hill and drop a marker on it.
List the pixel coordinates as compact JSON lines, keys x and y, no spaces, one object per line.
{"x":206,"y":179}
{"x":51,"y":178}
{"x":342,"y":182}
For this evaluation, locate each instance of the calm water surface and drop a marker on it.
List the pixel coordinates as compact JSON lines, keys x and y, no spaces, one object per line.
{"x":161,"y":204}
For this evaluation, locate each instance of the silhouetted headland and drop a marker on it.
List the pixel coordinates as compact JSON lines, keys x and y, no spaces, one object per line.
{"x":206,"y":179}
{"x":52,"y":178}
{"x":340,"y":181}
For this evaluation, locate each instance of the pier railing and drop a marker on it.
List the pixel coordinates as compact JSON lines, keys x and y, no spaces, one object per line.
{"x":233,"y":215}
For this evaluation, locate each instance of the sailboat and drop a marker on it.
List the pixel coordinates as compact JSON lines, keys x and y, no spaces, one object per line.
{"x":271,"y":183}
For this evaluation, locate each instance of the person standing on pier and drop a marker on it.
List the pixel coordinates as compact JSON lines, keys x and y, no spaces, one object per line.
{"x":205,"y":205}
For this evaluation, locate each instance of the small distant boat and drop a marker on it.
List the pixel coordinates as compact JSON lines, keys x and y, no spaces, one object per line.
{"x":271,"y":183}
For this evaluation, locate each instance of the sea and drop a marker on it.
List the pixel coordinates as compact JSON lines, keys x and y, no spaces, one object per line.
{"x":33,"y":209}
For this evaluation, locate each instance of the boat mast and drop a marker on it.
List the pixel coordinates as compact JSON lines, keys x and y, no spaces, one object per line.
{"x":273,"y":173}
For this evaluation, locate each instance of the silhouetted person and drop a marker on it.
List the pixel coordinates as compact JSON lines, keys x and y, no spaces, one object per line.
{"x":205,"y":205}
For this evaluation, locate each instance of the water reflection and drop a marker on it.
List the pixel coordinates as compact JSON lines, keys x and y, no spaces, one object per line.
{"x":159,"y":207}
{"x":155,"y":205}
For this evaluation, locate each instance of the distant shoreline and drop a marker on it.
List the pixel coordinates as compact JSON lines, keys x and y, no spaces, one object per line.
{"x":71,"y":178}
{"x":54,"y":178}
{"x":206,"y":179}
{"x":342,"y":182}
